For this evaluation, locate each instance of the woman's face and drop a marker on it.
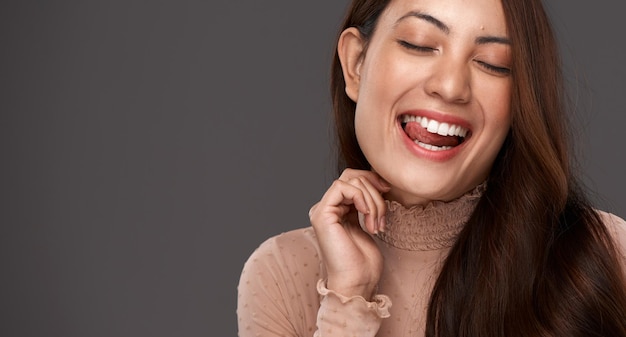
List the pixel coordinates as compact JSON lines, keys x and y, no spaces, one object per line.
{"x":432,"y":93}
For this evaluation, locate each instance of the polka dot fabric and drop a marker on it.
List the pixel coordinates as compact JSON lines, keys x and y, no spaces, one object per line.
{"x":282,"y":290}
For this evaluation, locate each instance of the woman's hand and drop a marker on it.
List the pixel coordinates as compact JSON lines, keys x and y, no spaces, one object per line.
{"x":349,"y":212}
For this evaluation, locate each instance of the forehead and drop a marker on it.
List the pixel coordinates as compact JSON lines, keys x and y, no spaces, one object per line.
{"x":459,"y":15}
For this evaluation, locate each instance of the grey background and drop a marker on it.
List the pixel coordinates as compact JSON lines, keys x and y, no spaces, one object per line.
{"x":147,"y":147}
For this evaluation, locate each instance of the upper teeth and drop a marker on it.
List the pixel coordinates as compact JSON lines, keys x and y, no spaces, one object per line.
{"x":433,"y":126}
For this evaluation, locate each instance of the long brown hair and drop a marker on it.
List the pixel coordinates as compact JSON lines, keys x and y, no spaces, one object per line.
{"x":534,"y":259}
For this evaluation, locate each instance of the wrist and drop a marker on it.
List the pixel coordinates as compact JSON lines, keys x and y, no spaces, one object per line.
{"x":349,"y":289}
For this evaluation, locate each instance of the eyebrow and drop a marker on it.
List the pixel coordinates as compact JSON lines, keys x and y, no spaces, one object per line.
{"x":444,"y":28}
{"x":428,"y":18}
{"x":492,"y":39}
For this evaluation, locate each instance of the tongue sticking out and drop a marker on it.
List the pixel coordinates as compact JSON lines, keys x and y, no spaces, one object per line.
{"x":416,"y":132}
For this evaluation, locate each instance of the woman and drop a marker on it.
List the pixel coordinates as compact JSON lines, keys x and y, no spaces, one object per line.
{"x":457,"y":212}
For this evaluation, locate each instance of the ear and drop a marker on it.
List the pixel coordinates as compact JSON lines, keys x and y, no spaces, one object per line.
{"x":350,"y":51}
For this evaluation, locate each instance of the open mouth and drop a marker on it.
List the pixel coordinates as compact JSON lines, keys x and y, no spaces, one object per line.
{"x":433,"y":135}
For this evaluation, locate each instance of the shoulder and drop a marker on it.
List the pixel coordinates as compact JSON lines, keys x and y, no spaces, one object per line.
{"x":297,"y":243}
{"x":276,"y":289}
{"x":616,"y":227}
{"x":286,"y":255}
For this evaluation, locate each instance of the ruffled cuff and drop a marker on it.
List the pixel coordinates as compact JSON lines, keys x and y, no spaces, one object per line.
{"x":380,"y":304}
{"x":349,"y":316}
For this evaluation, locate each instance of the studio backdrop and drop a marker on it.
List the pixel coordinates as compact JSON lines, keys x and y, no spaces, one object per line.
{"x":148,"y":147}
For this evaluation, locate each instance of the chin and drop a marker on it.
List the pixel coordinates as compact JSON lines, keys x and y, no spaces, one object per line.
{"x":410,"y":191}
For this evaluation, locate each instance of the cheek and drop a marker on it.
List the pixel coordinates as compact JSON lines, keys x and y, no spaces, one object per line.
{"x":385,"y":75}
{"x":499,"y":128}
{"x":501,"y":119}
{"x":366,"y":127}
{"x":498,"y":107}
{"x":374,"y":105}
{"x":497,"y":120}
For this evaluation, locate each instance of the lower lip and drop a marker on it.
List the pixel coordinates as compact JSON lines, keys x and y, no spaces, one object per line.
{"x":437,"y":156}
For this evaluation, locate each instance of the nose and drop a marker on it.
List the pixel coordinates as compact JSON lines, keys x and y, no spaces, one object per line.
{"x":450,"y":81}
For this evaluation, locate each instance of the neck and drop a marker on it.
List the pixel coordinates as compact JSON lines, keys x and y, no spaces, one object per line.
{"x":405,"y":199}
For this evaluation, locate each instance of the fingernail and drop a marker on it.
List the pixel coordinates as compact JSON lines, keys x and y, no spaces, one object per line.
{"x":382,"y":223}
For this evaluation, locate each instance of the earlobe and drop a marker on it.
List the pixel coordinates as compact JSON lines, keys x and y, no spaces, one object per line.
{"x":350,"y":51}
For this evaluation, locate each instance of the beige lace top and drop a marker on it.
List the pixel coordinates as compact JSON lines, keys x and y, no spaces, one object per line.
{"x":282,"y":292}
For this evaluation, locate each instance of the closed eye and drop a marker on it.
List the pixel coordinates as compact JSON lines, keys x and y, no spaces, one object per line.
{"x":421,"y":49}
{"x":494,"y":69}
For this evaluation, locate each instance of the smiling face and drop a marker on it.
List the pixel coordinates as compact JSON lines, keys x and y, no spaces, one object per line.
{"x":432,"y":92}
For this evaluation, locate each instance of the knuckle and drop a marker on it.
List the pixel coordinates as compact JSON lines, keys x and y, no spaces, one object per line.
{"x":349,"y":170}
{"x":349,"y":173}
{"x":354,"y":181}
{"x":337,"y":184}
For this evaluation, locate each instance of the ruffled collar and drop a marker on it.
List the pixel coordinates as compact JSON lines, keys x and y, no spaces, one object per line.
{"x":429,"y":227}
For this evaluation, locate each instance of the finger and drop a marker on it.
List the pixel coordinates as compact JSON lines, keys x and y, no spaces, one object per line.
{"x":378,"y":205}
{"x":376,"y":180}
{"x":376,"y":185}
{"x":369,"y":193}
{"x":342,"y":193}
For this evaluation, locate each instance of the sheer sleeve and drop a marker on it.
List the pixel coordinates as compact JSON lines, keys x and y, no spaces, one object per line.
{"x":261,"y":309}
{"x":349,"y":316}
{"x":280,"y":293}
